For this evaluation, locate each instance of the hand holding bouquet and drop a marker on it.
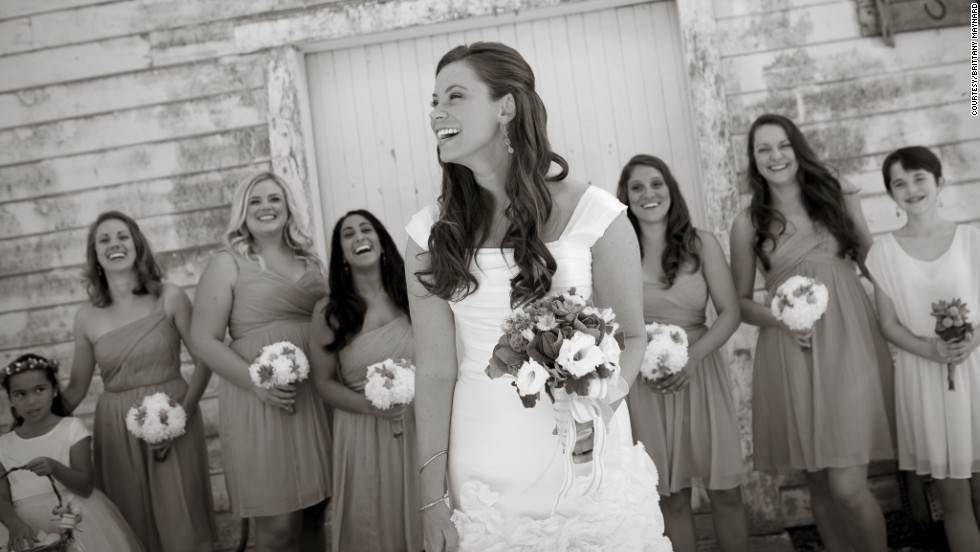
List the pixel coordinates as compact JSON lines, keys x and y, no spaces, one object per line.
{"x":563,"y":345}
{"x":799,"y":302}
{"x":952,"y":326}
{"x":156,"y":420}
{"x":390,"y":382}
{"x":666,"y":353}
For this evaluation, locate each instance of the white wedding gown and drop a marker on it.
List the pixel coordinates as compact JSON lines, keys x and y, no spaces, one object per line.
{"x":505,"y":464}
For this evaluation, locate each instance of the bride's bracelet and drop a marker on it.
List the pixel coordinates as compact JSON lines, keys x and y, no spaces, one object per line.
{"x":433,"y":457}
{"x":444,"y":499}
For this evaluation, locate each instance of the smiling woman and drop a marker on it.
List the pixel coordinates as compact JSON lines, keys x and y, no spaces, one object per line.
{"x":261,"y":290}
{"x":132,"y":329}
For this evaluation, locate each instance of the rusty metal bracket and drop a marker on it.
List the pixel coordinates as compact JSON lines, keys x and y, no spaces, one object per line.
{"x":885,"y":21}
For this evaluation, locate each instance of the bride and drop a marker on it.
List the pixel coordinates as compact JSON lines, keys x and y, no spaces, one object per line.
{"x":505,"y":233}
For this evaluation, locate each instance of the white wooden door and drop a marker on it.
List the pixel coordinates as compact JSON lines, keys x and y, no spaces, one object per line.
{"x":613,"y":81}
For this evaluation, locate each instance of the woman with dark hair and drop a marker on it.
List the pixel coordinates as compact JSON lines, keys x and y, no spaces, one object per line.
{"x":261,"y":290}
{"x":362,"y":322}
{"x":132,"y":328}
{"x":687,"y":421}
{"x":932,"y":259}
{"x":821,"y":399}
{"x":504,"y":233}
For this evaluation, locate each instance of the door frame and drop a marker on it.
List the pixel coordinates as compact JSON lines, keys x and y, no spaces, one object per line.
{"x":290,"y":127}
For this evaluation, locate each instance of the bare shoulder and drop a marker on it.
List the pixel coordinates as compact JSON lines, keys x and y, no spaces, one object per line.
{"x":708,"y":240}
{"x":567,"y":193}
{"x":743,"y":222}
{"x":848,"y":187}
{"x":173,"y":297}
{"x":222,"y":268}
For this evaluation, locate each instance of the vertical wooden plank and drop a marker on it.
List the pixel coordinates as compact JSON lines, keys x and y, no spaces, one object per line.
{"x":349,"y":191}
{"x":549,"y":85}
{"x":580,"y":76}
{"x":653,"y":84}
{"x":368,"y":174}
{"x":636,"y":60}
{"x":507,"y":35}
{"x":425,"y":162}
{"x":328,"y":135}
{"x":383,"y":155}
{"x":567,"y":107}
{"x":607,"y":156}
{"x":623,"y":113}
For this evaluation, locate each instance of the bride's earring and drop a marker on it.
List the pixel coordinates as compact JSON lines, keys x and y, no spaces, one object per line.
{"x":510,"y":149}
{"x":898,"y":212}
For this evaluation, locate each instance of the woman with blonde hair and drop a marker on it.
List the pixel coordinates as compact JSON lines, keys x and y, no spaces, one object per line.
{"x":275,"y":442}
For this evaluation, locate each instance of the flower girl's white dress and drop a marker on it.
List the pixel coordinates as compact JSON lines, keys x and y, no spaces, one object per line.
{"x":505,"y":464}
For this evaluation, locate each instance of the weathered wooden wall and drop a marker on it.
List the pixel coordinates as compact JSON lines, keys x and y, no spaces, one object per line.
{"x":158,"y":107}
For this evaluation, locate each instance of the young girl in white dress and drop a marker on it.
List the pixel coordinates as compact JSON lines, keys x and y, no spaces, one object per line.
{"x":927,"y":260}
{"x":45,"y":449}
{"x":505,"y":233}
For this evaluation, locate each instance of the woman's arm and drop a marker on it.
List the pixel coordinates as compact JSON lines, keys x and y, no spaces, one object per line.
{"x":77,"y":477}
{"x":209,"y":321}
{"x":743,"y":274}
{"x":852,"y":201}
{"x":435,"y":383}
{"x":178,"y":307}
{"x":82,"y":365}
{"x":323,"y":368}
{"x":617,"y":282}
{"x":721,"y":288}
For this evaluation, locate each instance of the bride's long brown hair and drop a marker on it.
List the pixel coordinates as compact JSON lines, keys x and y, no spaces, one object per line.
{"x":465,"y":207}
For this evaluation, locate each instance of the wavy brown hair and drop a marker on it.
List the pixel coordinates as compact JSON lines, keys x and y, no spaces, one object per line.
{"x":820,"y":193}
{"x":465,"y":208}
{"x":149,"y":277}
{"x":345,"y":309}
{"x":683,"y":245}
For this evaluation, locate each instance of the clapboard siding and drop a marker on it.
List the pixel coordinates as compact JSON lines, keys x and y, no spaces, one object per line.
{"x":19,"y":8}
{"x":67,"y":248}
{"x":133,"y":126}
{"x":65,"y":285}
{"x":134,"y":164}
{"x":842,"y":60}
{"x":887,"y":93}
{"x":790,"y":28}
{"x":728,"y":9}
{"x":108,"y":94}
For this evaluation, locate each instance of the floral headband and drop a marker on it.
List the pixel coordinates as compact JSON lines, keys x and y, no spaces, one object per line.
{"x":27,"y":364}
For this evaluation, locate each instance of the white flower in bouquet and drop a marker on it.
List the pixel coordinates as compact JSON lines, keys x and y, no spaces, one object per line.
{"x":156,"y":419}
{"x":279,"y":364}
{"x":666,"y":352}
{"x":799,"y":302}
{"x":580,"y":355}
{"x":531,"y":378}
{"x":390,"y":382}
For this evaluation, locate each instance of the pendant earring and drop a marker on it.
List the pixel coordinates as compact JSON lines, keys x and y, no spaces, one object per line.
{"x":510,"y":149}
{"x":898,"y":212}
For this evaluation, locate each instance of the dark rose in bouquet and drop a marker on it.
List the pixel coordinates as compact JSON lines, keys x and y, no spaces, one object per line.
{"x":952,"y":326}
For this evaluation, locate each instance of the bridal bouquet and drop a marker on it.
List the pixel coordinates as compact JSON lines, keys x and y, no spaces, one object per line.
{"x":278,"y":365}
{"x":666,"y":352}
{"x":563,"y":345}
{"x":390,"y":382}
{"x":799,"y":302}
{"x":156,"y":419}
{"x":952,"y":326}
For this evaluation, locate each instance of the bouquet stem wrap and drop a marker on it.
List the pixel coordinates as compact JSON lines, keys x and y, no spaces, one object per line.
{"x":593,"y":410}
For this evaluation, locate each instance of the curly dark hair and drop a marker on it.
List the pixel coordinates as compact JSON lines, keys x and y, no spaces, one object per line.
{"x":149,"y":277}
{"x":28,"y":362}
{"x":465,"y":208}
{"x":820,"y":192}
{"x":683,"y":245}
{"x":345,"y":309}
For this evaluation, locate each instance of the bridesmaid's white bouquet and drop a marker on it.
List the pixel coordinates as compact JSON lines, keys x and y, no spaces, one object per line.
{"x":666,"y":352}
{"x":157,"y":418}
{"x":390,"y":382}
{"x":799,"y":302}
{"x":279,"y":364}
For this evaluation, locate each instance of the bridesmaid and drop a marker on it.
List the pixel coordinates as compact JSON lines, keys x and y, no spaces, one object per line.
{"x":927,"y":260}
{"x":275,"y":443}
{"x":687,"y":421}
{"x":132,"y":328}
{"x":822,"y":400}
{"x":364,"y":321}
